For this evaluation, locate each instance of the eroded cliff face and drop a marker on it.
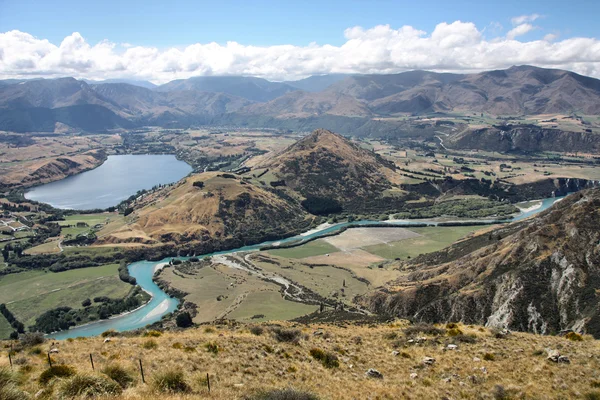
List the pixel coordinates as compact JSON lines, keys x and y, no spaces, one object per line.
{"x":541,"y":275}
{"x":524,"y":138}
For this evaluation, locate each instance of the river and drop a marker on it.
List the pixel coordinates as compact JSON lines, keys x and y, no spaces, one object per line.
{"x":119,"y":177}
{"x":161,"y":303}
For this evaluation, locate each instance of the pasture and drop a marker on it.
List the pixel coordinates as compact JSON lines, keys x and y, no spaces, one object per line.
{"x":29,"y":294}
{"x":429,"y":239}
{"x":314,"y":248}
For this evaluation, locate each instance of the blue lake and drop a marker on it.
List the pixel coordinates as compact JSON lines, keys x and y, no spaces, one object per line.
{"x":118,"y":178}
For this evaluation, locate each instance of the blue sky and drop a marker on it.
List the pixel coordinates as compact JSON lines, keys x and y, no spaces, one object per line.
{"x":283,"y":40}
{"x":178,"y":23}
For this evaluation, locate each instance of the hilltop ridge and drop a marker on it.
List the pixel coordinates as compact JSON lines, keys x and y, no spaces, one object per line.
{"x":540,"y":275}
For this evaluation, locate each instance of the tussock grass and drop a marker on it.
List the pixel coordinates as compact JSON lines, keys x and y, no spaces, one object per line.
{"x":119,"y":374}
{"x":287,"y":335}
{"x":87,"y":385}
{"x":171,"y":381}
{"x":248,"y":365}
{"x":282,"y":394}
{"x":56,"y":371}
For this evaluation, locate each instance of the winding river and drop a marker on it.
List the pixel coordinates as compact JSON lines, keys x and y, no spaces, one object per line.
{"x":161,"y":303}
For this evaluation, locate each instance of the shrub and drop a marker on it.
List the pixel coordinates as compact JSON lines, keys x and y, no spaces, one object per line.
{"x":287,"y":335}
{"x":595,"y":384}
{"x":489,"y":357}
{"x":184,"y":320}
{"x":55,"y":371}
{"x":257,"y":330}
{"x":35,"y":351}
{"x":212,"y":347}
{"x":317,"y":354}
{"x":109,"y":333}
{"x":119,"y":374}
{"x":465,"y":338}
{"x":177,"y":346}
{"x":595,"y":395}
{"x":86,"y":303}
{"x":172,"y":381}
{"x":454,"y":332}
{"x":81,"y":385}
{"x":282,"y":394}
{"x":451,"y":325}
{"x":427,"y":329}
{"x":329,"y":360}
{"x":152,"y":334}
{"x":209,"y":329}
{"x":575,"y":337}
{"x":31,"y":339}
{"x":150,"y":344}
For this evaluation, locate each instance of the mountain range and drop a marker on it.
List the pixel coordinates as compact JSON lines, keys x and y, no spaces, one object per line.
{"x":340,"y":102}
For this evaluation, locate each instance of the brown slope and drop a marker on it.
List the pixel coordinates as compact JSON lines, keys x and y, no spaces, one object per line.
{"x":301,"y":104}
{"x":541,"y":275}
{"x":325,"y":164}
{"x":224,"y":208}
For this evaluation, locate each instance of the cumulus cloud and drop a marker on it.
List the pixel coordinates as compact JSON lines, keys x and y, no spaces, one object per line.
{"x":452,"y":47}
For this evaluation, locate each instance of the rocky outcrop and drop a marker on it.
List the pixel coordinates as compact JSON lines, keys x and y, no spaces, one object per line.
{"x":550,"y":187}
{"x":524,"y":138}
{"x":540,"y":276}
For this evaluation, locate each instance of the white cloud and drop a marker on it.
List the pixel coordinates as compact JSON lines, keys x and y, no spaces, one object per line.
{"x":521,"y":19}
{"x":452,"y":47}
{"x":519,"y":30}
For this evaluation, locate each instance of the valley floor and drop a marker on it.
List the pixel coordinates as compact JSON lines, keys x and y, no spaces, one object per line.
{"x":327,"y":360}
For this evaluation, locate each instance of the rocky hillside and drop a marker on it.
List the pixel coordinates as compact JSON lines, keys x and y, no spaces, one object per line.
{"x":293,"y":361}
{"x":524,"y":139}
{"x":326,"y":165}
{"x":541,"y":275}
{"x":52,"y":169}
{"x":209,"y":210}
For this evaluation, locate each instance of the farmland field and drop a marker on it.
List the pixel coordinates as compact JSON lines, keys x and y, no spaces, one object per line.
{"x":431,"y":239}
{"x":28,"y":294}
{"x":314,"y":248}
{"x":223,"y":292}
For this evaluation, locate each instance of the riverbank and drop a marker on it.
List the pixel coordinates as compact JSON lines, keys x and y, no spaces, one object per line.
{"x":144,"y":271}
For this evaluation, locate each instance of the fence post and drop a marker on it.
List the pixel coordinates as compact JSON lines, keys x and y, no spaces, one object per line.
{"x":142,"y":371}
{"x":49,"y":360}
{"x":10,"y":359}
{"x":208,"y":382}
{"x":92,"y":361}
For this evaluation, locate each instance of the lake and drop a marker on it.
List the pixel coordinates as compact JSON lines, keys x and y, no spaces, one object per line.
{"x":118,"y":178}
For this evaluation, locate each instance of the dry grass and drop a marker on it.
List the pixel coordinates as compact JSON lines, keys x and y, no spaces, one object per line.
{"x":247,"y":364}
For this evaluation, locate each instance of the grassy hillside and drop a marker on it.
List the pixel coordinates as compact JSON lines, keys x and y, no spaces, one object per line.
{"x":325,"y":360}
{"x":208,"y":209}
{"x":540,"y":275}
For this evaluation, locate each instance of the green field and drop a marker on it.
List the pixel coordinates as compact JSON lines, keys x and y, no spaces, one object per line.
{"x":314,"y":248}
{"x":432,"y":239}
{"x":89,"y":219}
{"x":272,"y":306}
{"x":220,"y":292}
{"x":5,"y":328}
{"x":323,"y":280}
{"x":28,"y":294}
